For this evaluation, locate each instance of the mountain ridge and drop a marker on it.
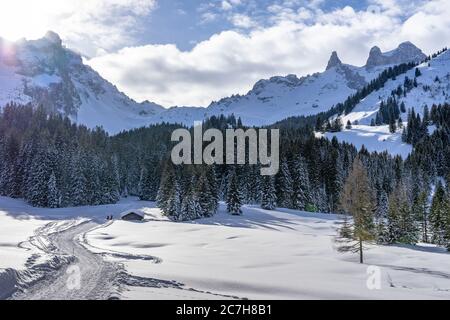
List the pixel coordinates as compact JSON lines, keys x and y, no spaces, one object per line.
{"x":45,"y":72}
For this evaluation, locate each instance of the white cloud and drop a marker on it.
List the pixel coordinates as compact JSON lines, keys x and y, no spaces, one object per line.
{"x":89,"y":26}
{"x":230,"y":62}
{"x":243,"y":21}
{"x":226,"y":5}
{"x":208,"y":17}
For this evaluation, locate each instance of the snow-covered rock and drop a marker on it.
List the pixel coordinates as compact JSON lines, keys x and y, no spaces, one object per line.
{"x":334,"y":61}
{"x":405,"y":52}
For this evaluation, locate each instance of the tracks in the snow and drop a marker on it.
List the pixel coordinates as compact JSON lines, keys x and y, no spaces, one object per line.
{"x":74,"y":273}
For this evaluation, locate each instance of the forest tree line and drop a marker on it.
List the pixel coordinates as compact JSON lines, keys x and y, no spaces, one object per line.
{"x":51,"y":162}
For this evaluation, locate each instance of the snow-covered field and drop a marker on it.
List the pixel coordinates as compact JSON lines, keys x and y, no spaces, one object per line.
{"x":281,"y":254}
{"x":19,"y":221}
{"x":375,"y":139}
{"x":13,"y":231}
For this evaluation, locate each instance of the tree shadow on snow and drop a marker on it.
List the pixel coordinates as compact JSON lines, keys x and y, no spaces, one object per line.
{"x":255,"y":217}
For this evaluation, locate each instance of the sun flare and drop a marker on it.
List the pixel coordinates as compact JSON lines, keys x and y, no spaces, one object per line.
{"x":29,"y":19}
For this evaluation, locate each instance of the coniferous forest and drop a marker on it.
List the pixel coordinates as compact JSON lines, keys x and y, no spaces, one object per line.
{"x":50,"y":162}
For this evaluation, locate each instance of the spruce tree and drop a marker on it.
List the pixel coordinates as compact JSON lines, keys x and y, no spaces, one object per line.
{"x":167,"y":186}
{"x":234,"y":202}
{"x":403,"y":107}
{"x":203,"y":194}
{"x":438,"y":215}
{"x":301,"y":185}
{"x":401,"y":224}
{"x":39,"y":178}
{"x":349,"y":125}
{"x":392,"y":126}
{"x":380,"y":217}
{"x":188,"y":207}
{"x":447,"y":224}
{"x":77,"y":193}
{"x":174,"y":202}
{"x":268,"y":197}
{"x":420,"y":210}
{"x":149,"y":185}
{"x":213,"y":190}
{"x":54,"y":196}
{"x":286,"y":188}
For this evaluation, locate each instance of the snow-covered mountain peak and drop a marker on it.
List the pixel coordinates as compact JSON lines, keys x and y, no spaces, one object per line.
{"x":290,"y":80}
{"x":405,"y":52}
{"x":279,"y":97}
{"x":45,"y":72}
{"x":54,"y":38}
{"x":334,"y":61}
{"x":375,"y":57}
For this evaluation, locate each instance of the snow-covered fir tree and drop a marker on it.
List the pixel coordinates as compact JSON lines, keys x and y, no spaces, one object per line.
{"x":421,"y":214}
{"x":234,"y":201}
{"x":38,"y":179}
{"x":76,"y":192}
{"x":148,"y":185}
{"x":268,"y":196}
{"x":439,"y":216}
{"x":285,"y":186}
{"x":301,"y":186}
{"x":402,"y":227}
{"x":54,"y":196}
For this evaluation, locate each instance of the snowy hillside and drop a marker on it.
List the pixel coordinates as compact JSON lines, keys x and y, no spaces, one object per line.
{"x":279,"y":97}
{"x":432,"y":85}
{"x":282,"y":97}
{"x":44,"y":72}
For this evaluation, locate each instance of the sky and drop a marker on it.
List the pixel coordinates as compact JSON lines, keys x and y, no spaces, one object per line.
{"x":189,"y":53}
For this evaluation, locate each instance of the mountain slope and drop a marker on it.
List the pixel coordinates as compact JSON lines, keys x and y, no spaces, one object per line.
{"x":432,"y":87}
{"x":44,"y":72}
{"x":281,"y":97}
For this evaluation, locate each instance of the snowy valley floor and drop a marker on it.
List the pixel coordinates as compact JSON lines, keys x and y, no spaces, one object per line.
{"x":279,"y":254}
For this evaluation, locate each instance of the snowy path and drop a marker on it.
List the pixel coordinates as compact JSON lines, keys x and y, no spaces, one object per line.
{"x":89,"y":276}
{"x":97,"y":277}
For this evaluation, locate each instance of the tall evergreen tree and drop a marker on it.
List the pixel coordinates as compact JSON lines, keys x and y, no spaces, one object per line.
{"x":301,"y":185}
{"x":438,"y":215}
{"x":77,"y":192}
{"x":234,"y":202}
{"x":38,"y":179}
{"x":149,"y":185}
{"x":268,"y":196}
{"x":420,"y":210}
{"x":285,"y":186}
{"x":54,"y":196}
{"x":166,"y":188}
{"x":401,"y":224}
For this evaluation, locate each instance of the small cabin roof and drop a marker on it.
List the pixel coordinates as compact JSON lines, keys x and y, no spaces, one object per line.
{"x":131,"y":211}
